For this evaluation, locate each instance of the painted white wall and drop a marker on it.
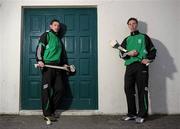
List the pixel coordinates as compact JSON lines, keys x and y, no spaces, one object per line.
{"x":0,"y":51}
{"x":10,"y":80}
{"x":159,"y":19}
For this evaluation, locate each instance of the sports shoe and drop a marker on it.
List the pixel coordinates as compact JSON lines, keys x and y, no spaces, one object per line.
{"x":139,"y":120}
{"x":127,"y":118}
{"x":55,"y":115}
{"x":50,"y":118}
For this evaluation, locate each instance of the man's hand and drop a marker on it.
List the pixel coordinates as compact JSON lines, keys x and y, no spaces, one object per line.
{"x":67,"y":67}
{"x":145,"y":61}
{"x":132,"y":53}
{"x":40,"y":64}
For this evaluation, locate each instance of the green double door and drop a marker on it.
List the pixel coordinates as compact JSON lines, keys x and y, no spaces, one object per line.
{"x":79,"y":27}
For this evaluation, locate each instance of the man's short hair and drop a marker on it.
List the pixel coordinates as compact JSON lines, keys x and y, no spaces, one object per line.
{"x":54,"y":20}
{"x":132,"y":18}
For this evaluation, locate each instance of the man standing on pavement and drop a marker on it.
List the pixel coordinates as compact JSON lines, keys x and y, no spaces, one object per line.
{"x":50,"y":51}
{"x":141,"y":52}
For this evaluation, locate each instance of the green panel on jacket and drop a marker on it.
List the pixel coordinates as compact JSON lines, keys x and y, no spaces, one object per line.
{"x":53,"y":48}
{"x":136,"y":42}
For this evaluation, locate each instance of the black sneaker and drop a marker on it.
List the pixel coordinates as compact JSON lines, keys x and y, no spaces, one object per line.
{"x":127,"y":118}
{"x":55,"y":115}
{"x":139,"y":120}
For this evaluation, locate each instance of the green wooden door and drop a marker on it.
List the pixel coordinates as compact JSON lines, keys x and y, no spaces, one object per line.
{"x":80,"y":41}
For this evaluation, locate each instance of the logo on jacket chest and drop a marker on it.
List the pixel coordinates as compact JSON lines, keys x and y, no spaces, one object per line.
{"x":139,"y":41}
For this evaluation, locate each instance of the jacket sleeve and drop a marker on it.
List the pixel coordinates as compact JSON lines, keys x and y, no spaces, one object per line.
{"x":150,"y":48}
{"x":123,"y":54}
{"x":41,"y":47}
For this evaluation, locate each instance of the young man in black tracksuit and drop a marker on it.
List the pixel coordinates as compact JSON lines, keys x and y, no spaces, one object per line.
{"x":50,"y":51}
{"x":141,"y":52}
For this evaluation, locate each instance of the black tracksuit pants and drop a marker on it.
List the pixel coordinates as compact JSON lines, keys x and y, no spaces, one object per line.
{"x":52,"y":90}
{"x":137,"y":73}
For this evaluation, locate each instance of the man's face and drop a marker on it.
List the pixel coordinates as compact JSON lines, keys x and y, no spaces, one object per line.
{"x":55,"y":26}
{"x":132,"y":25}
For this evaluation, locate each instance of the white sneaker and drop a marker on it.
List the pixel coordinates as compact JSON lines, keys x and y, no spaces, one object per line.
{"x":139,"y":120}
{"x":127,"y":118}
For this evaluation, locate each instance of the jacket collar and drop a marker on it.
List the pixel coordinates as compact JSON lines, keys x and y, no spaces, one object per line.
{"x":56,"y":33}
{"x":134,"y":33}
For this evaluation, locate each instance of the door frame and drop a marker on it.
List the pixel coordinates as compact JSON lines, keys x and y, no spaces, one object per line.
{"x":23,"y":40}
